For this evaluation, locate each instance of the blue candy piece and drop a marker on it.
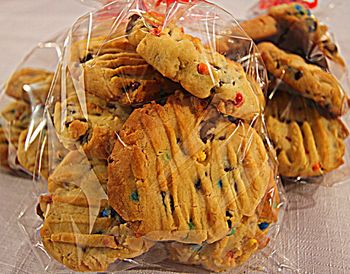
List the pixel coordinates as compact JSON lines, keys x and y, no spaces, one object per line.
{"x":106,"y":212}
{"x":298,"y":7}
{"x":220,"y":183}
{"x":134,"y":196}
{"x":263,"y":225}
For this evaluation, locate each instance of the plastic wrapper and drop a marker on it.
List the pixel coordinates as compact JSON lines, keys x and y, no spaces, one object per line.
{"x":166,"y":160}
{"x":22,"y":105}
{"x":307,"y":104}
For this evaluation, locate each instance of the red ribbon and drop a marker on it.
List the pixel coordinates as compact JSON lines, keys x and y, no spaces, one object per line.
{"x":266,"y":4}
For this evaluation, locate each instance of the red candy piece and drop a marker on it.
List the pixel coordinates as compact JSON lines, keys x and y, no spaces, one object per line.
{"x":203,"y":69}
{"x":156,"y":31}
{"x":230,"y":254}
{"x":238,"y":101}
{"x":316,"y":167}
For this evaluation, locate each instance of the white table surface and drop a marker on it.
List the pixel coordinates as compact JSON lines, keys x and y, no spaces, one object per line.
{"x":316,"y":233}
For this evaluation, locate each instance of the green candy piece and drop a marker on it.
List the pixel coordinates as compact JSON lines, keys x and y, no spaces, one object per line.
{"x":233,"y":231}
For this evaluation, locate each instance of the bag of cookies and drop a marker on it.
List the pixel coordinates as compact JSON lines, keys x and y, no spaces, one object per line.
{"x":23,"y":98}
{"x":306,"y":114}
{"x":167,"y":162}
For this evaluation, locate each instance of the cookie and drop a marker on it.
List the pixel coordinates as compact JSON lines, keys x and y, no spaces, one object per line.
{"x":90,"y":124}
{"x":292,"y":27}
{"x":125,"y":78}
{"x":185,"y":173}
{"x":29,"y":84}
{"x":249,"y":236}
{"x":82,"y":51}
{"x":80,"y":229}
{"x":86,"y":172}
{"x":261,"y":27}
{"x":15,"y":118}
{"x":308,"y":80}
{"x":32,"y":155}
{"x":201,"y":71}
{"x":4,"y":148}
{"x":308,"y":143}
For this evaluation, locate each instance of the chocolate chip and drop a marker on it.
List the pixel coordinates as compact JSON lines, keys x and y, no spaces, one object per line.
{"x":132,"y":87}
{"x":111,"y":105}
{"x":198,"y":184}
{"x":228,"y":214}
{"x":171,"y":200}
{"x":221,"y":83}
{"x":132,"y":19}
{"x":85,"y":138}
{"x":278,"y":151}
{"x":163,"y":193}
{"x":298,"y":75}
{"x":288,"y":138}
{"x":222,"y":138}
{"x":233,"y":120}
{"x":278,"y":65}
{"x":86,"y":58}
{"x":229,"y":223}
{"x":235,"y":186}
{"x":228,"y":169}
{"x":204,"y":132}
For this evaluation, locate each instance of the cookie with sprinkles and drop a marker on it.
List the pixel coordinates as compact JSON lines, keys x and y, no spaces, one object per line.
{"x":249,"y":236}
{"x":183,"y":172}
{"x":308,"y":142}
{"x":308,"y":80}
{"x":80,"y":229}
{"x":201,"y":71}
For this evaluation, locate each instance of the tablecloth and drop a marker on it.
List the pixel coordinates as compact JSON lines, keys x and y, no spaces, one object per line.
{"x":316,"y":234}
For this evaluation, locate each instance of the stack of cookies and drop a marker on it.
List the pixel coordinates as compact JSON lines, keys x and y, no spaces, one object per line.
{"x":22,"y":124}
{"x":165,"y":146}
{"x":305,"y":100}
{"x":151,"y":138}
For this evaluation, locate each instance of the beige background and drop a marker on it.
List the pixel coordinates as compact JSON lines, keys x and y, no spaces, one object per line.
{"x":316,"y":233}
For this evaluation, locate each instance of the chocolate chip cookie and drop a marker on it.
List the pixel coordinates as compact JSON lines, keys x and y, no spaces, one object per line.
{"x":201,"y":71}
{"x":89,"y":123}
{"x":293,"y":28}
{"x":308,"y":80}
{"x":308,"y":142}
{"x":184,"y":172}
{"x":125,"y":78}
{"x":29,"y":84}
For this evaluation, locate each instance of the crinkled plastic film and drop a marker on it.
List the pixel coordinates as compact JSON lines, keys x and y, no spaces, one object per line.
{"x":160,"y":149}
{"x":23,"y":100}
{"x":307,"y":107}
